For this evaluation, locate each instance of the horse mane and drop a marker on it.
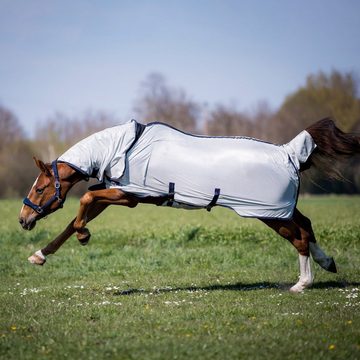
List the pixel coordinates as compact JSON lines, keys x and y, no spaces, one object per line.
{"x":333,"y":147}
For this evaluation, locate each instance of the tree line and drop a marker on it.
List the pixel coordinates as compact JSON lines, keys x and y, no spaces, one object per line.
{"x":333,"y":95}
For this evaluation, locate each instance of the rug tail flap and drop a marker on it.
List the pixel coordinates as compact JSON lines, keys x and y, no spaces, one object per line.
{"x":300,"y":148}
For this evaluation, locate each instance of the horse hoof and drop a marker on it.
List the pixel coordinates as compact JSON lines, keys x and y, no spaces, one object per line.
{"x":84,"y":236}
{"x":328,"y":264}
{"x":300,"y":286}
{"x":84,"y":242}
{"x":297,"y":288}
{"x":36,"y":259}
{"x":332,"y":266}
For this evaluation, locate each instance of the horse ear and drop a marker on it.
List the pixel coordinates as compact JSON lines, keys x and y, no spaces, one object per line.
{"x":40,"y":164}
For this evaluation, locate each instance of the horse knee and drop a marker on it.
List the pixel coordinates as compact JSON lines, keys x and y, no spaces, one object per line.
{"x":86,"y":199}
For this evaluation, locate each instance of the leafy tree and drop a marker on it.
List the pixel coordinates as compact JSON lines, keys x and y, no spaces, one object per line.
{"x":334,"y":95}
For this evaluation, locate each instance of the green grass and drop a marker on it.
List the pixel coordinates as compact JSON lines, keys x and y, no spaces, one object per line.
{"x":158,"y":283}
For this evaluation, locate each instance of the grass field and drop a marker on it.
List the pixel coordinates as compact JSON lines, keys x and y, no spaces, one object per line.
{"x":158,"y":283}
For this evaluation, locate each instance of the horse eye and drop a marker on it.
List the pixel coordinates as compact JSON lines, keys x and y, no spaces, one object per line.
{"x":39,"y":191}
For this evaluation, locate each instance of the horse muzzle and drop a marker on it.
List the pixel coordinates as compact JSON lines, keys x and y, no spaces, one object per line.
{"x":27,"y":224}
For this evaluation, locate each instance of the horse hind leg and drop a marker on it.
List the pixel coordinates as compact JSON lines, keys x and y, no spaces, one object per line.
{"x":318,"y":255}
{"x":289,"y":230}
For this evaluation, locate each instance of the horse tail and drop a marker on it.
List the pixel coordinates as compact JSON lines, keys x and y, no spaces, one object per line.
{"x":333,"y":146}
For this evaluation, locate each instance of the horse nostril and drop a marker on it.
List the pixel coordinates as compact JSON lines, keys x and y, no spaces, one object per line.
{"x":21,"y":221}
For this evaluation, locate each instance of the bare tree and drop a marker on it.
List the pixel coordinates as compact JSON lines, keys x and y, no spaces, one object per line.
{"x":60,"y":131}
{"x":261,"y":117}
{"x":227,"y":121}
{"x":10,"y":129}
{"x":16,"y":166}
{"x":159,"y":102}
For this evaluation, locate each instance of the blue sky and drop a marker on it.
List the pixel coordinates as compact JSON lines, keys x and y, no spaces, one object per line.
{"x":72,"y":56}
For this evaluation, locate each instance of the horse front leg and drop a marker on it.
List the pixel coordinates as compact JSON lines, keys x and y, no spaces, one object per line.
{"x":39,"y":257}
{"x":101,"y":197}
{"x":299,"y":238}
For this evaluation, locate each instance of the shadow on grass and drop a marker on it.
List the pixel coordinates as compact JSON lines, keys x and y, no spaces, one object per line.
{"x":335,"y":284}
{"x":237,"y":287}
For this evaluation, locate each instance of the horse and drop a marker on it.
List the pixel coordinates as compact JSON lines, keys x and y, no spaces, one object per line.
{"x":264,"y":180}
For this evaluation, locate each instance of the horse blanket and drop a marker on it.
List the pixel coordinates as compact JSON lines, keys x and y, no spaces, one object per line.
{"x":252,"y":177}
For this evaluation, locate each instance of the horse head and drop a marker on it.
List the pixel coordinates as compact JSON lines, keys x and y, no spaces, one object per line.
{"x":48,"y":192}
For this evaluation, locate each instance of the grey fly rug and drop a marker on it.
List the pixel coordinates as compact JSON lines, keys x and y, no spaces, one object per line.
{"x":252,"y":177}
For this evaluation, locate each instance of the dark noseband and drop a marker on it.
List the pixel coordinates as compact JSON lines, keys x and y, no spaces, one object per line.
{"x":56,"y":197}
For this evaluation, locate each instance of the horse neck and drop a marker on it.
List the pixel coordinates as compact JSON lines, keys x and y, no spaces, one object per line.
{"x":68,"y":176}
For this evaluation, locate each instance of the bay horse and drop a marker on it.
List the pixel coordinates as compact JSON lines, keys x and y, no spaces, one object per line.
{"x":168,"y":175}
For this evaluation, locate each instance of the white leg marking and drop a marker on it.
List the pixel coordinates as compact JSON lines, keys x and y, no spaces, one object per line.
{"x":319,"y":256}
{"x":40,"y":254}
{"x":37,"y":258}
{"x":306,"y":277}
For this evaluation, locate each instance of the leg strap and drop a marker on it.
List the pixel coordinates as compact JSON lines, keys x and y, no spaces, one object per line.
{"x":214,"y":199}
{"x":171,"y":194}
